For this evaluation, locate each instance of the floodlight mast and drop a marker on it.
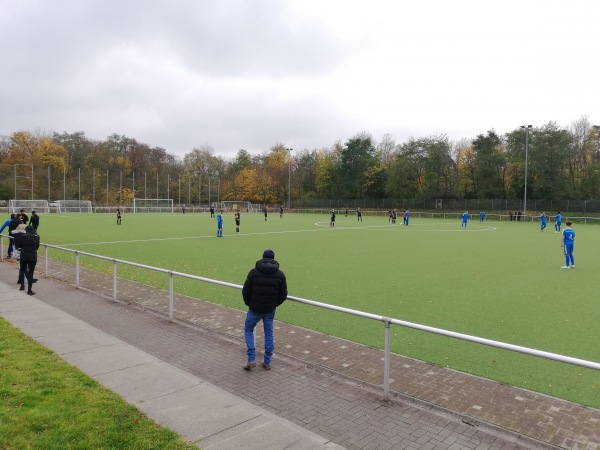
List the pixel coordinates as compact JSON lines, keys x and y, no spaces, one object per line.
{"x":526,"y":128}
{"x":290,"y":178}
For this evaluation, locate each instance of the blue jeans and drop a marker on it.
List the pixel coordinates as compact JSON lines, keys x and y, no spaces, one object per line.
{"x":252,"y":318}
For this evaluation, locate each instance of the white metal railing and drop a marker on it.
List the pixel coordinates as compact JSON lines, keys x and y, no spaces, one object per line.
{"x":386,"y":320}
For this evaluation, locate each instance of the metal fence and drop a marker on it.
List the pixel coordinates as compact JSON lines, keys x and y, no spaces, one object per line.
{"x":387,"y":321}
{"x":455,"y":215}
{"x":549,"y":206}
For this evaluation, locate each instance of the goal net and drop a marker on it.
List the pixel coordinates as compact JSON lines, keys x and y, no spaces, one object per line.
{"x":235,"y":205}
{"x":148,"y":205}
{"x":39,"y":206}
{"x":74,"y":206}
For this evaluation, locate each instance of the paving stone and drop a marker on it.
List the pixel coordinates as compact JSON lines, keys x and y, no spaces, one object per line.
{"x":316,"y":381}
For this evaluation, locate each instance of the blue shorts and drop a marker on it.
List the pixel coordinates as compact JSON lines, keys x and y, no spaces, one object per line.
{"x":569,"y":248}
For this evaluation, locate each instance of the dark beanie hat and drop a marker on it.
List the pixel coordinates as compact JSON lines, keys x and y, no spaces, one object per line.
{"x":29,"y":229}
{"x":269,"y":254}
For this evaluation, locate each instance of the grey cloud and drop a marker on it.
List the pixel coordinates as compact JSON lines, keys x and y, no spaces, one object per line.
{"x":163,"y":72}
{"x":214,"y":38}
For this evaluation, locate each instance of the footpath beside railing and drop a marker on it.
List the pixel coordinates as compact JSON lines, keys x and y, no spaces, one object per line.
{"x":387,"y":321}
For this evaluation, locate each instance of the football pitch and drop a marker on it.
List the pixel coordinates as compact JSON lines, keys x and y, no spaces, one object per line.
{"x":496,"y":280}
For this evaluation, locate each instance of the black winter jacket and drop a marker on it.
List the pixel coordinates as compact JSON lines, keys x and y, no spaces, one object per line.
{"x":17,"y":234}
{"x":265,"y":287}
{"x":14,"y":223}
{"x":29,"y":244}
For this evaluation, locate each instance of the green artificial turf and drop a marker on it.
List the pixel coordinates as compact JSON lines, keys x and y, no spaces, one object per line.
{"x":499,"y":280}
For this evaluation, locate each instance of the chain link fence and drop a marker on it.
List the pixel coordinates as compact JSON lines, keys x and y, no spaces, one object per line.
{"x":499,"y":205}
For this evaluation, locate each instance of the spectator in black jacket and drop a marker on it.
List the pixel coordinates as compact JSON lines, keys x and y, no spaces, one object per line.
{"x":17,"y":235}
{"x":264,"y":290}
{"x":29,"y":243}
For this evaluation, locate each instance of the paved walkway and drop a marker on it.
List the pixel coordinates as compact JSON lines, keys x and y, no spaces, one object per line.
{"x":322,"y":392}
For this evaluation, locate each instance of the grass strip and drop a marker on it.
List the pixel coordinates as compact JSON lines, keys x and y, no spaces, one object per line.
{"x":47,"y":403}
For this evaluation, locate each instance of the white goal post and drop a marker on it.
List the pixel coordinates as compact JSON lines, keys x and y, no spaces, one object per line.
{"x":147,"y":205}
{"x":74,"y":206}
{"x":236,"y":205}
{"x":39,"y":206}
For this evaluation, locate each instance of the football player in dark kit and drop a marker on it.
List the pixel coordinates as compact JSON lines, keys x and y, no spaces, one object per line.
{"x":34,"y":221}
{"x":23,"y":217}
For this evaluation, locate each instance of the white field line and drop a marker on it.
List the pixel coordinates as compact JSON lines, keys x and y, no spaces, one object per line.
{"x":404,"y":228}
{"x":186,"y":237}
{"x":323,"y":226}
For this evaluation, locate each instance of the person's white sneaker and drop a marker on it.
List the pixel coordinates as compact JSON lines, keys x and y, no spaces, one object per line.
{"x":564,"y":267}
{"x":573,"y":266}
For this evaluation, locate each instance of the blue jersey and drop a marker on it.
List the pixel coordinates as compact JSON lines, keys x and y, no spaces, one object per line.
{"x":219,"y":218}
{"x":465,"y":217}
{"x":569,"y":236}
{"x":543,"y":218}
{"x":5,"y":225}
{"x":558,"y":219}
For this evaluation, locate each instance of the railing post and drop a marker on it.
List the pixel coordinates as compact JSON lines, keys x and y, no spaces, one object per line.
{"x":114,"y":280}
{"x":76,"y":270}
{"x":46,"y":261}
{"x":1,"y":249}
{"x":386,"y":361}
{"x":170,"y":296}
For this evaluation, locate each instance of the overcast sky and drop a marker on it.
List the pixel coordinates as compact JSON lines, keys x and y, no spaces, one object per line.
{"x":250,"y":74}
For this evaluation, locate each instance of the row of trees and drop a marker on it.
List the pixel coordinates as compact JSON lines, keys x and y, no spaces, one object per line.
{"x":563,"y":162}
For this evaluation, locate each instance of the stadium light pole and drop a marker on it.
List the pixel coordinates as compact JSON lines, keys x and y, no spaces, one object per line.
{"x":526,"y":128}
{"x":218,"y":189}
{"x":597,"y":128}
{"x":290,"y":150}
